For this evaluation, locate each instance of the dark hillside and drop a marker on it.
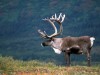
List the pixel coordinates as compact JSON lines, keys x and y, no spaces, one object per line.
{"x":20,"y":20}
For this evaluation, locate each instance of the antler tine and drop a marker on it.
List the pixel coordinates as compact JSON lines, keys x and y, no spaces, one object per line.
{"x":43,"y":34}
{"x":55,"y":16}
{"x":63,"y":17}
{"x":59,"y":16}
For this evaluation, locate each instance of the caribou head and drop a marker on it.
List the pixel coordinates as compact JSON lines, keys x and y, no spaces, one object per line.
{"x":55,"y":43}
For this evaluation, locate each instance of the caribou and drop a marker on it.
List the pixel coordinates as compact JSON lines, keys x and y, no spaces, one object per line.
{"x":68,"y":45}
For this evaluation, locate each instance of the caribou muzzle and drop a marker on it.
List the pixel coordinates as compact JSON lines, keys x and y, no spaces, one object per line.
{"x":43,"y":44}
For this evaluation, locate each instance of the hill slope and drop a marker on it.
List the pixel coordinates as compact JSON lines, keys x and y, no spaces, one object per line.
{"x":20,"y":20}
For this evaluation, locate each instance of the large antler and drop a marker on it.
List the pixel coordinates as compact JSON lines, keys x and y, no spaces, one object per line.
{"x":53,"y":19}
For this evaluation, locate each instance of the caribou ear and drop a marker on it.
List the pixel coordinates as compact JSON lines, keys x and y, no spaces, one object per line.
{"x":52,"y":39}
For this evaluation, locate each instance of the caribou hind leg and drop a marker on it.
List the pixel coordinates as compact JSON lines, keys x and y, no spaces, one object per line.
{"x":88,"y":57}
{"x":89,"y":50}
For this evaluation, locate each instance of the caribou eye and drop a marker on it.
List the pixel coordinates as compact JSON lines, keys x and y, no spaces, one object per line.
{"x":52,"y":39}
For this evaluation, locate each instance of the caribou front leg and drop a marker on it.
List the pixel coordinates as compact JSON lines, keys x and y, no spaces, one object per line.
{"x":67,"y":57}
{"x":88,"y":58}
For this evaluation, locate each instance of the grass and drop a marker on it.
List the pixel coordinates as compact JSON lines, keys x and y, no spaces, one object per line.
{"x":9,"y":66}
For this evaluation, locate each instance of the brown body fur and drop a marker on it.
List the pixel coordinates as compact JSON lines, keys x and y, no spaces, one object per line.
{"x":76,"y":45}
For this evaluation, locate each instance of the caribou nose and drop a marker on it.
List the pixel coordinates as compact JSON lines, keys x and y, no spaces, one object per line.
{"x":42,"y":44}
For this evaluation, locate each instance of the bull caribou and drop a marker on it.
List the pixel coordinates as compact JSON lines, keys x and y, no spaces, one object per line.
{"x":68,"y":45}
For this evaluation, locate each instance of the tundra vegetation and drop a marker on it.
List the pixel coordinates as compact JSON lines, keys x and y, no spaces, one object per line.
{"x":10,"y":66}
